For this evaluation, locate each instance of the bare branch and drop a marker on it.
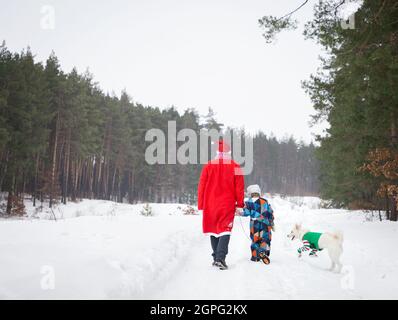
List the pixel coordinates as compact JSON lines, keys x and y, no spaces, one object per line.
{"x":338,"y":6}
{"x":294,"y":11}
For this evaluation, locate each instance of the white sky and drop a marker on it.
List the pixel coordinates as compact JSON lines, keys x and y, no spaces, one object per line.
{"x":186,"y":53}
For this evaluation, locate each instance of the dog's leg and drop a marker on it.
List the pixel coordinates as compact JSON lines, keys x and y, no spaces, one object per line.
{"x":334,"y":255}
{"x":332,"y":258}
{"x":304,"y":248}
{"x":339,"y":265}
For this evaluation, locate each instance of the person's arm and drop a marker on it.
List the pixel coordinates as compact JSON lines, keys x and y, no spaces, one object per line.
{"x":239,"y":187}
{"x":246,"y":211}
{"x":249,"y":211}
{"x":271,"y":214}
{"x":239,"y":212}
{"x":201,"y":187}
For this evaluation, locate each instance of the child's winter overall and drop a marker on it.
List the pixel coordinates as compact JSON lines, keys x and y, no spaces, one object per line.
{"x":261,"y":222}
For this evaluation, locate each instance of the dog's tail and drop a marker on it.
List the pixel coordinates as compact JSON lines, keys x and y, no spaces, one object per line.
{"x":339,"y":236}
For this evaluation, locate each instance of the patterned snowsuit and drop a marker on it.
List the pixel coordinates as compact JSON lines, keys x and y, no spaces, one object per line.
{"x":261,"y":222}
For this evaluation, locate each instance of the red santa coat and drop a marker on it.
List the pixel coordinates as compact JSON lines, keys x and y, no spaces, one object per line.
{"x":220,"y":192}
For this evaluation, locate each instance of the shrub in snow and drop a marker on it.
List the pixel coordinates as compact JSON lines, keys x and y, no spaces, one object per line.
{"x":296,"y":201}
{"x":373,"y":215}
{"x":36,"y":211}
{"x":147,"y":210}
{"x":189,"y":210}
{"x":18,"y":207}
{"x":327,"y":204}
{"x":112,"y":212}
{"x":3,"y":208}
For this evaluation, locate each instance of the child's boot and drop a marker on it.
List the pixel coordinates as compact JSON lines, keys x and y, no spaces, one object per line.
{"x":263,"y":256}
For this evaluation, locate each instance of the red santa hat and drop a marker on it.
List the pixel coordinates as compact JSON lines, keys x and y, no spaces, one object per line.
{"x":223,"y":146}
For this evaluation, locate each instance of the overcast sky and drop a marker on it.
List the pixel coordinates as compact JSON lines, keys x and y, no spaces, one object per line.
{"x":186,"y":53}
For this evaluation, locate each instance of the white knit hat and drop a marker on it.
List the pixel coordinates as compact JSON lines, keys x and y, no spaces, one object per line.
{"x":254,"y":188}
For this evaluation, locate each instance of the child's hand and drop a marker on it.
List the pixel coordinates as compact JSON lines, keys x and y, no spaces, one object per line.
{"x":273,"y":228}
{"x":238,"y":212}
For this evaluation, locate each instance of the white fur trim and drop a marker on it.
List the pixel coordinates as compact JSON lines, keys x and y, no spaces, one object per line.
{"x":219,"y":234}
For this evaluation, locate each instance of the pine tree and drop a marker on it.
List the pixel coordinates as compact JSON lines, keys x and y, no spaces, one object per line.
{"x":63,"y":139}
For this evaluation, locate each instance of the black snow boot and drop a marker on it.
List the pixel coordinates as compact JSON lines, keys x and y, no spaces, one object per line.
{"x":221,"y":264}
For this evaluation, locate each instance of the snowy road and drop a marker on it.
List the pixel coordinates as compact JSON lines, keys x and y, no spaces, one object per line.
{"x":106,"y":251}
{"x":285,"y":278}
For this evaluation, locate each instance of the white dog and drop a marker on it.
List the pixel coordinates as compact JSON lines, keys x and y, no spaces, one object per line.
{"x":313,"y":242}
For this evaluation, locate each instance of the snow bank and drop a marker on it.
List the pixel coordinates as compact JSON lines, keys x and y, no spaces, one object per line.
{"x":106,"y":251}
{"x":99,"y":208}
{"x":103,"y":250}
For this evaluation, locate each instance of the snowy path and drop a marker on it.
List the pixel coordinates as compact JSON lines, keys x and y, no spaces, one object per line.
{"x":106,"y":251}
{"x":286,"y":277}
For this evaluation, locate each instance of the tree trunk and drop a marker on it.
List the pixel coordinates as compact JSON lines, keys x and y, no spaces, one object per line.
{"x":99,"y":175}
{"x":35,"y":180}
{"x":5,"y":169}
{"x":54,"y":160}
{"x":66,"y":178}
{"x":10,"y":196}
{"x":393,"y":128}
{"x":393,"y":210}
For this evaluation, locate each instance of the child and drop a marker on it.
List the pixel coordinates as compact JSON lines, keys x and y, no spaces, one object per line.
{"x":261,"y":224}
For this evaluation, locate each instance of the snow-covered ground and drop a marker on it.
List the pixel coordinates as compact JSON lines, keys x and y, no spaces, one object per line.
{"x":102,"y":250}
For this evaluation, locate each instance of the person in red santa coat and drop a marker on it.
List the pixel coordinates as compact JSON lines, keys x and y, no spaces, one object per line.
{"x":220,"y":194}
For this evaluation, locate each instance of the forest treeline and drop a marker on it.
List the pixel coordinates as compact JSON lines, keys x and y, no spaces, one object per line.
{"x":62,"y":138}
{"x":356,"y":92}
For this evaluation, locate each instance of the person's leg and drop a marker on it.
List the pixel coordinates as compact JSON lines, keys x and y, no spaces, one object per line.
{"x":263,"y":247}
{"x":267,"y":240}
{"x":257,"y":239}
{"x":214,"y":244}
{"x":253,"y":246}
{"x":222,"y":248}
